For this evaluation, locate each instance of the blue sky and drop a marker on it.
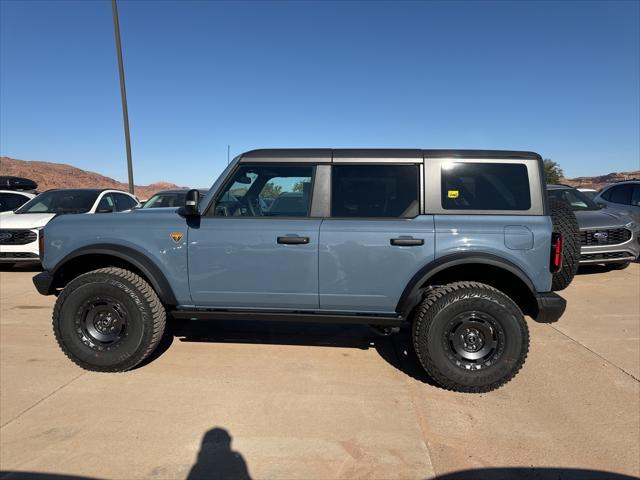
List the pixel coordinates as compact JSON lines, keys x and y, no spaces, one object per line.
{"x":560,"y":78}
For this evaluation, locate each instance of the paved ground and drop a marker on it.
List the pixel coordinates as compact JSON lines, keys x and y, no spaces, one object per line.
{"x":303,"y":401}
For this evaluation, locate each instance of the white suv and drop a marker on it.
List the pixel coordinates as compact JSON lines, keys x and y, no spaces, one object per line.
{"x":19,"y":230}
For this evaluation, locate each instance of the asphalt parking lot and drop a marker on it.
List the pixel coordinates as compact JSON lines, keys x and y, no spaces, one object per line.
{"x":289,"y":401}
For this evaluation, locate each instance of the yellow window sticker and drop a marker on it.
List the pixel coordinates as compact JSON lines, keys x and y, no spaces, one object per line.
{"x":453,"y":193}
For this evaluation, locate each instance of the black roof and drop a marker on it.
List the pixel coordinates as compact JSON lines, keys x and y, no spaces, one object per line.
{"x":330,"y":153}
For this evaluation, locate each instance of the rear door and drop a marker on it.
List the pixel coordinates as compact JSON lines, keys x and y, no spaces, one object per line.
{"x":257,"y":246}
{"x":377,"y":236}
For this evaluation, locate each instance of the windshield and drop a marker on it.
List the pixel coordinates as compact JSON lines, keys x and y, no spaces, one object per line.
{"x":61,"y":201}
{"x":174,"y":199}
{"x":575,"y":198}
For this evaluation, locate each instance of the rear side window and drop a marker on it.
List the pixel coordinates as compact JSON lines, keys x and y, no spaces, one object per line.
{"x":620,"y":194}
{"x":485,"y":186}
{"x":11,"y":201}
{"x":374,"y":191}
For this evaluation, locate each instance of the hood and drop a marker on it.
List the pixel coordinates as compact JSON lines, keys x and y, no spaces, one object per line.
{"x":24,"y":220}
{"x":600,"y":219}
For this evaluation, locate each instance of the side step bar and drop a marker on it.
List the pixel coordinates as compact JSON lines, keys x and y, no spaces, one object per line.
{"x":204,"y":314}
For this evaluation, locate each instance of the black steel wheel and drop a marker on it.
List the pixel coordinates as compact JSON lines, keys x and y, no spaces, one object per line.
{"x":108,"y":320}
{"x":470,"y":337}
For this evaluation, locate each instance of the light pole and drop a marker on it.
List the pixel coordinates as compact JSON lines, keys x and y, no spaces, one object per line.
{"x":123,"y":92}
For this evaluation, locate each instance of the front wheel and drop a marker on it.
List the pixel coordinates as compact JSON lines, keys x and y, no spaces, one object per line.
{"x":470,"y":337}
{"x":108,"y":320}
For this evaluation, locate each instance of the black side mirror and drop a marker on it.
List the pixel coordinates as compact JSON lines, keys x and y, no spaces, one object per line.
{"x":191,"y":204}
{"x":602,"y":205}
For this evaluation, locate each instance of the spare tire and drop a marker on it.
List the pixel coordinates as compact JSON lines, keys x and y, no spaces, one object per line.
{"x":565,"y":223}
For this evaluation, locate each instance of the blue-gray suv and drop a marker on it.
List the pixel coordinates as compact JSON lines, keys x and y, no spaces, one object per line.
{"x":457,"y":245}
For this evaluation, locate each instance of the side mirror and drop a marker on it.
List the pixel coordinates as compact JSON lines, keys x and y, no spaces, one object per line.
{"x":191,"y":204}
{"x":602,"y":205}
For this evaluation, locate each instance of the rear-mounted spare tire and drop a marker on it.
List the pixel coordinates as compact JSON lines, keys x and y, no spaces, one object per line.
{"x":565,"y":223}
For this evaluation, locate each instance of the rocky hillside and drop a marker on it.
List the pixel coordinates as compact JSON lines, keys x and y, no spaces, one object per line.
{"x":602,"y":180}
{"x":58,"y":175}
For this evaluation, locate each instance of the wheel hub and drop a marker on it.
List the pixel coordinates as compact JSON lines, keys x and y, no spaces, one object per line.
{"x":101,"y":322}
{"x":474,"y":340}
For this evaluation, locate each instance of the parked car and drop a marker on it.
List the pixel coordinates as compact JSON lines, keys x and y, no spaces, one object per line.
{"x":15,"y":191}
{"x":589,"y":192}
{"x":19,"y":230}
{"x":606,"y":236}
{"x":169,"y":198}
{"x":457,"y":245}
{"x":622,"y":197}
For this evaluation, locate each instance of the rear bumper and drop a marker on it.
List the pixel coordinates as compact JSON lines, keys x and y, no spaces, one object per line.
{"x":44,"y":283}
{"x":551,"y":306}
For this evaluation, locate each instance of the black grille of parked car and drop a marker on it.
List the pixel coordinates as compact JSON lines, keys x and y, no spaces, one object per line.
{"x":610,"y":236}
{"x":18,"y":255}
{"x":605,"y":256}
{"x":17,"y":237}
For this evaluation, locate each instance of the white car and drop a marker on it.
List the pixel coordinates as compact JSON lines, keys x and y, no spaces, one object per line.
{"x":12,"y":199}
{"x":20,"y":229}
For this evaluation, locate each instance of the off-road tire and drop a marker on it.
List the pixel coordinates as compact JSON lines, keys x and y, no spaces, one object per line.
{"x":133,"y":299}
{"x":441,"y":307}
{"x":618,"y":266}
{"x":565,"y":223}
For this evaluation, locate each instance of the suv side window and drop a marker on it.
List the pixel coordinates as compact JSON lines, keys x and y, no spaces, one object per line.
{"x":106,"y":204}
{"x":124,"y":202}
{"x":485,"y":186}
{"x":267,"y":191}
{"x":11,"y":201}
{"x":375,"y":191}
{"x":635,"y":197}
{"x":620,"y":194}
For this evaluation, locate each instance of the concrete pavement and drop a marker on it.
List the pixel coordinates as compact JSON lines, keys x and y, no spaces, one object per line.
{"x":285,"y":401}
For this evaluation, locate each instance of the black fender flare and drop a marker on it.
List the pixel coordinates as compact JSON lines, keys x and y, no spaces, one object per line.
{"x":411,"y":295}
{"x":144,"y":264}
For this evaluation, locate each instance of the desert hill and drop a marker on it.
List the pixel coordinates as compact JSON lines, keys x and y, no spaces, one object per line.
{"x":59,"y":175}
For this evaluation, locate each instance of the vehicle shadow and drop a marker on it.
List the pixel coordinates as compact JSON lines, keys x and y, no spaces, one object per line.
{"x":396,"y":349}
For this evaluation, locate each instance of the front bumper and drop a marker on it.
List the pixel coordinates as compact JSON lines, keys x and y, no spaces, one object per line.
{"x":551,"y":306}
{"x":44,"y":283}
{"x":627,"y":251}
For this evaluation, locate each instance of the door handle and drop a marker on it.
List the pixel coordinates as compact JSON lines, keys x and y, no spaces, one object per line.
{"x":291,"y":240}
{"x":407,"y":242}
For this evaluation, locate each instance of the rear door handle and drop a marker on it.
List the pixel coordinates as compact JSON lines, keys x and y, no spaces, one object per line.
{"x":407,"y":242}
{"x":291,"y":240}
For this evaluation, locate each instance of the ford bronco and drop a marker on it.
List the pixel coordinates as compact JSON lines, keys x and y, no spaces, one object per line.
{"x":456,"y":245}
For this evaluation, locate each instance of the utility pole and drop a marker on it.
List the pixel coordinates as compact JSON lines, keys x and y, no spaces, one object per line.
{"x":123,"y":92}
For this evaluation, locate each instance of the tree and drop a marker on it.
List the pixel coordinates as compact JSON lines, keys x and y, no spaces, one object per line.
{"x":271,"y":190}
{"x":553,"y":171}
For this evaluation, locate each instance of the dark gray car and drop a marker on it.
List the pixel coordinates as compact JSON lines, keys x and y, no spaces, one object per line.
{"x":606,"y":236}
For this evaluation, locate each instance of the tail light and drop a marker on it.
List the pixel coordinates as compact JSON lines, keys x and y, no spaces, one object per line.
{"x":41,"y":243}
{"x":556,"y":252}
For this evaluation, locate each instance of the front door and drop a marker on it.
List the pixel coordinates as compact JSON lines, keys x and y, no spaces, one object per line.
{"x":256,"y":247}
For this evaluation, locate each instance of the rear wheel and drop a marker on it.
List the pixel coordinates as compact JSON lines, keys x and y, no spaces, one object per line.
{"x":470,"y":337}
{"x":565,"y":223}
{"x":108,"y":320}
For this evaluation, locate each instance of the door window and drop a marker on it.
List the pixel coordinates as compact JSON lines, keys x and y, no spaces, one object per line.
{"x":106,"y":204}
{"x":620,"y":194}
{"x":124,"y":202}
{"x":11,"y":201}
{"x":267,"y":191}
{"x":485,"y":186}
{"x":374,"y":191}
{"x":635,"y":196}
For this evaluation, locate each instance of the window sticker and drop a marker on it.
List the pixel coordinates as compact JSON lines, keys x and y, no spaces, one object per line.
{"x":453,"y":193}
